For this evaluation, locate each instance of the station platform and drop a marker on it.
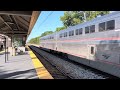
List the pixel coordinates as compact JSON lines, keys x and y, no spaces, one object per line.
{"x":25,"y":66}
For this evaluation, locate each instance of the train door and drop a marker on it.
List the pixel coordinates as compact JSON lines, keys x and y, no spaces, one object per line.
{"x":91,"y":52}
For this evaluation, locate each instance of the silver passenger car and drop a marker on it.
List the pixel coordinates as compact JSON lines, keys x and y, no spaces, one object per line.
{"x":95,"y":43}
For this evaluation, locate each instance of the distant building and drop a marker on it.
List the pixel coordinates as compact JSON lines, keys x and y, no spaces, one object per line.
{"x":8,"y":40}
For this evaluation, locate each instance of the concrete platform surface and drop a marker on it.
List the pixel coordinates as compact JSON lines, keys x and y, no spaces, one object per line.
{"x":17,"y":67}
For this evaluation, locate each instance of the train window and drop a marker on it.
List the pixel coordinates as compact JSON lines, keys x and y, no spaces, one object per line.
{"x":72,"y":33}
{"x":92,"y":50}
{"x":92,"y":28}
{"x":76,"y":31}
{"x":65,"y":34}
{"x":80,"y":31}
{"x":110,"y":25}
{"x":69,"y":33}
{"x":102,"y":26}
{"x":52,"y":37}
{"x":86,"y":30}
{"x":60,"y":36}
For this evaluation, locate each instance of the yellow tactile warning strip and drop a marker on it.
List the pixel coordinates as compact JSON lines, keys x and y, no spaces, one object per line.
{"x":2,"y":52}
{"x":40,"y":69}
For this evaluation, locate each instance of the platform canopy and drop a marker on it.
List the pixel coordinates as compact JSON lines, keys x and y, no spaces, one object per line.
{"x":17,"y":22}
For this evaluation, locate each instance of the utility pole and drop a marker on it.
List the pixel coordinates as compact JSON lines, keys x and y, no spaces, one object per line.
{"x":84,"y":16}
{"x":84,"y":13}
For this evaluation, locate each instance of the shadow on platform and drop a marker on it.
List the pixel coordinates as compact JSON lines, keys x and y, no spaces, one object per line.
{"x":19,"y":74}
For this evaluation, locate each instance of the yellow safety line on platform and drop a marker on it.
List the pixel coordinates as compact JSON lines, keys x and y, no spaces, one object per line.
{"x":2,"y":52}
{"x":40,"y":69}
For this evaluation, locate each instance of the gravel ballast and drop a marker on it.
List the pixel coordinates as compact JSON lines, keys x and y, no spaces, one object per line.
{"x":74,"y":71}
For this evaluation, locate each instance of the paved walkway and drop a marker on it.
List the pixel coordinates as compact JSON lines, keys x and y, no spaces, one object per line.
{"x":17,"y":67}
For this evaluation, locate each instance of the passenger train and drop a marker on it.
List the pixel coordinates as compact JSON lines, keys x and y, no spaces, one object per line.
{"x":95,"y":43}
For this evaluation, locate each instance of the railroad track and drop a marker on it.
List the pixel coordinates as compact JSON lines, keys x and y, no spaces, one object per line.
{"x":55,"y":71}
{"x":93,"y":73}
{"x":104,"y":74}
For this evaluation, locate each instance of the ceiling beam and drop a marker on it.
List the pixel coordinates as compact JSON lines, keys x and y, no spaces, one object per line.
{"x":9,"y":34}
{"x":8,"y":31}
{"x":10,"y":22}
{"x":33,"y":20}
{"x":5,"y":22}
{"x":15,"y":22}
{"x":24,"y":19}
{"x":20,"y":13}
{"x":23,"y":25}
{"x":20,"y":19}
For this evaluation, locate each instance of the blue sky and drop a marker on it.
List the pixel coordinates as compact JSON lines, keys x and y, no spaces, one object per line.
{"x":50,"y":24}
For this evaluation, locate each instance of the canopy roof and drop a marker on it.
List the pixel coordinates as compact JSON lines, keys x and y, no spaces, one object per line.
{"x":17,"y":22}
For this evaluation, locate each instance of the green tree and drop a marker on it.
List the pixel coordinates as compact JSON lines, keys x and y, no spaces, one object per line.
{"x":46,"y":33}
{"x":72,"y":18}
{"x":35,"y":40}
{"x":60,"y":28}
{"x":93,"y":14}
{"x":67,"y":19}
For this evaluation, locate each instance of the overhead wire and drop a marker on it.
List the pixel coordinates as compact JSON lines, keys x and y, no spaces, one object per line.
{"x":45,"y":19}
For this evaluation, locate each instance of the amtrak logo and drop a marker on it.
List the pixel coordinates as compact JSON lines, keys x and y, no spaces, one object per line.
{"x":106,"y":56}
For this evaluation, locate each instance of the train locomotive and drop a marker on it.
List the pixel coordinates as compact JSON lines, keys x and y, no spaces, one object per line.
{"x":95,"y":43}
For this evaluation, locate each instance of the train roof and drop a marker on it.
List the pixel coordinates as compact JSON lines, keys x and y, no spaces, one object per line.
{"x":48,"y":35}
{"x":114,"y":14}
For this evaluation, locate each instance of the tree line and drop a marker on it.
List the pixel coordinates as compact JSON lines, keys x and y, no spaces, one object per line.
{"x":71,"y":18}
{"x":36,"y":40}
